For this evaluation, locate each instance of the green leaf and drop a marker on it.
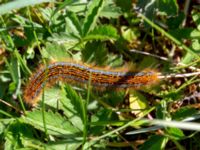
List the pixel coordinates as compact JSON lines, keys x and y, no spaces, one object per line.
{"x":170,"y":7}
{"x":53,"y":96}
{"x":146,"y":62}
{"x":14,"y":68}
{"x":4,"y":8}
{"x":110,"y":10}
{"x":60,"y":99}
{"x":99,"y":121}
{"x":175,"y":133}
{"x":20,"y":135}
{"x":156,"y":142}
{"x":78,"y":6}
{"x":103,"y":32}
{"x":67,"y":40}
{"x":196,"y":44}
{"x":196,"y":18}
{"x":115,"y":60}
{"x":4,"y":124}
{"x":175,"y":21}
{"x":113,"y":98}
{"x":183,"y":113}
{"x":68,"y":144}
{"x":32,"y":143}
{"x":138,"y":103}
{"x":147,"y":7}
{"x":130,"y":34}
{"x":193,"y":35}
{"x":14,"y":133}
{"x":95,"y":52}
{"x":126,"y":5}
{"x":56,"y":124}
{"x":3,"y":88}
{"x":74,"y":107}
{"x":63,"y":5}
{"x":185,"y":33}
{"x":73,"y":25}
{"x":72,"y":144}
{"x":55,"y":51}
{"x":92,"y":14}
{"x":187,"y":58}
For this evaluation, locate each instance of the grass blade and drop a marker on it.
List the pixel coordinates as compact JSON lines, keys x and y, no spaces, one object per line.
{"x":5,"y":8}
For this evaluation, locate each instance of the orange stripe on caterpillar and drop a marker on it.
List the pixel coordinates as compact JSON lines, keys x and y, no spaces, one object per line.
{"x":81,"y":74}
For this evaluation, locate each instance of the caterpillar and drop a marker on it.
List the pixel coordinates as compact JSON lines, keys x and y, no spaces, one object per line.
{"x":80,"y":73}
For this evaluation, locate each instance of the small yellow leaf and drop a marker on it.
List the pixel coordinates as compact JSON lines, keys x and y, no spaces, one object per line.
{"x":138,"y":103}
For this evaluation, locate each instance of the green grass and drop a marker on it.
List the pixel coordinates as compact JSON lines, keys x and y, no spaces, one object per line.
{"x":100,"y":33}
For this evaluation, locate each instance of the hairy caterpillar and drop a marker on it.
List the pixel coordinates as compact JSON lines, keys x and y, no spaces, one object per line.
{"x":81,"y":73}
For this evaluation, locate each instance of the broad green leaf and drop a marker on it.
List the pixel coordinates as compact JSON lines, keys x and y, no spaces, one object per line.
{"x":126,"y":5}
{"x":176,"y":21}
{"x":53,"y":96}
{"x":56,"y":124}
{"x":57,"y":98}
{"x":113,"y":98}
{"x":99,"y":121}
{"x":138,"y":103}
{"x":110,"y":10}
{"x":5,"y":8}
{"x":186,"y":33}
{"x":147,"y":62}
{"x":170,"y":7}
{"x":19,"y":135}
{"x":95,"y":52}
{"x":183,"y":113}
{"x":73,"y":25}
{"x":74,"y":107}
{"x":156,"y":142}
{"x":103,"y":32}
{"x":67,"y":40}
{"x":175,"y":133}
{"x":92,"y":14}
{"x":4,"y":124}
{"x":55,"y":51}
{"x":14,"y":132}
{"x":115,"y":60}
